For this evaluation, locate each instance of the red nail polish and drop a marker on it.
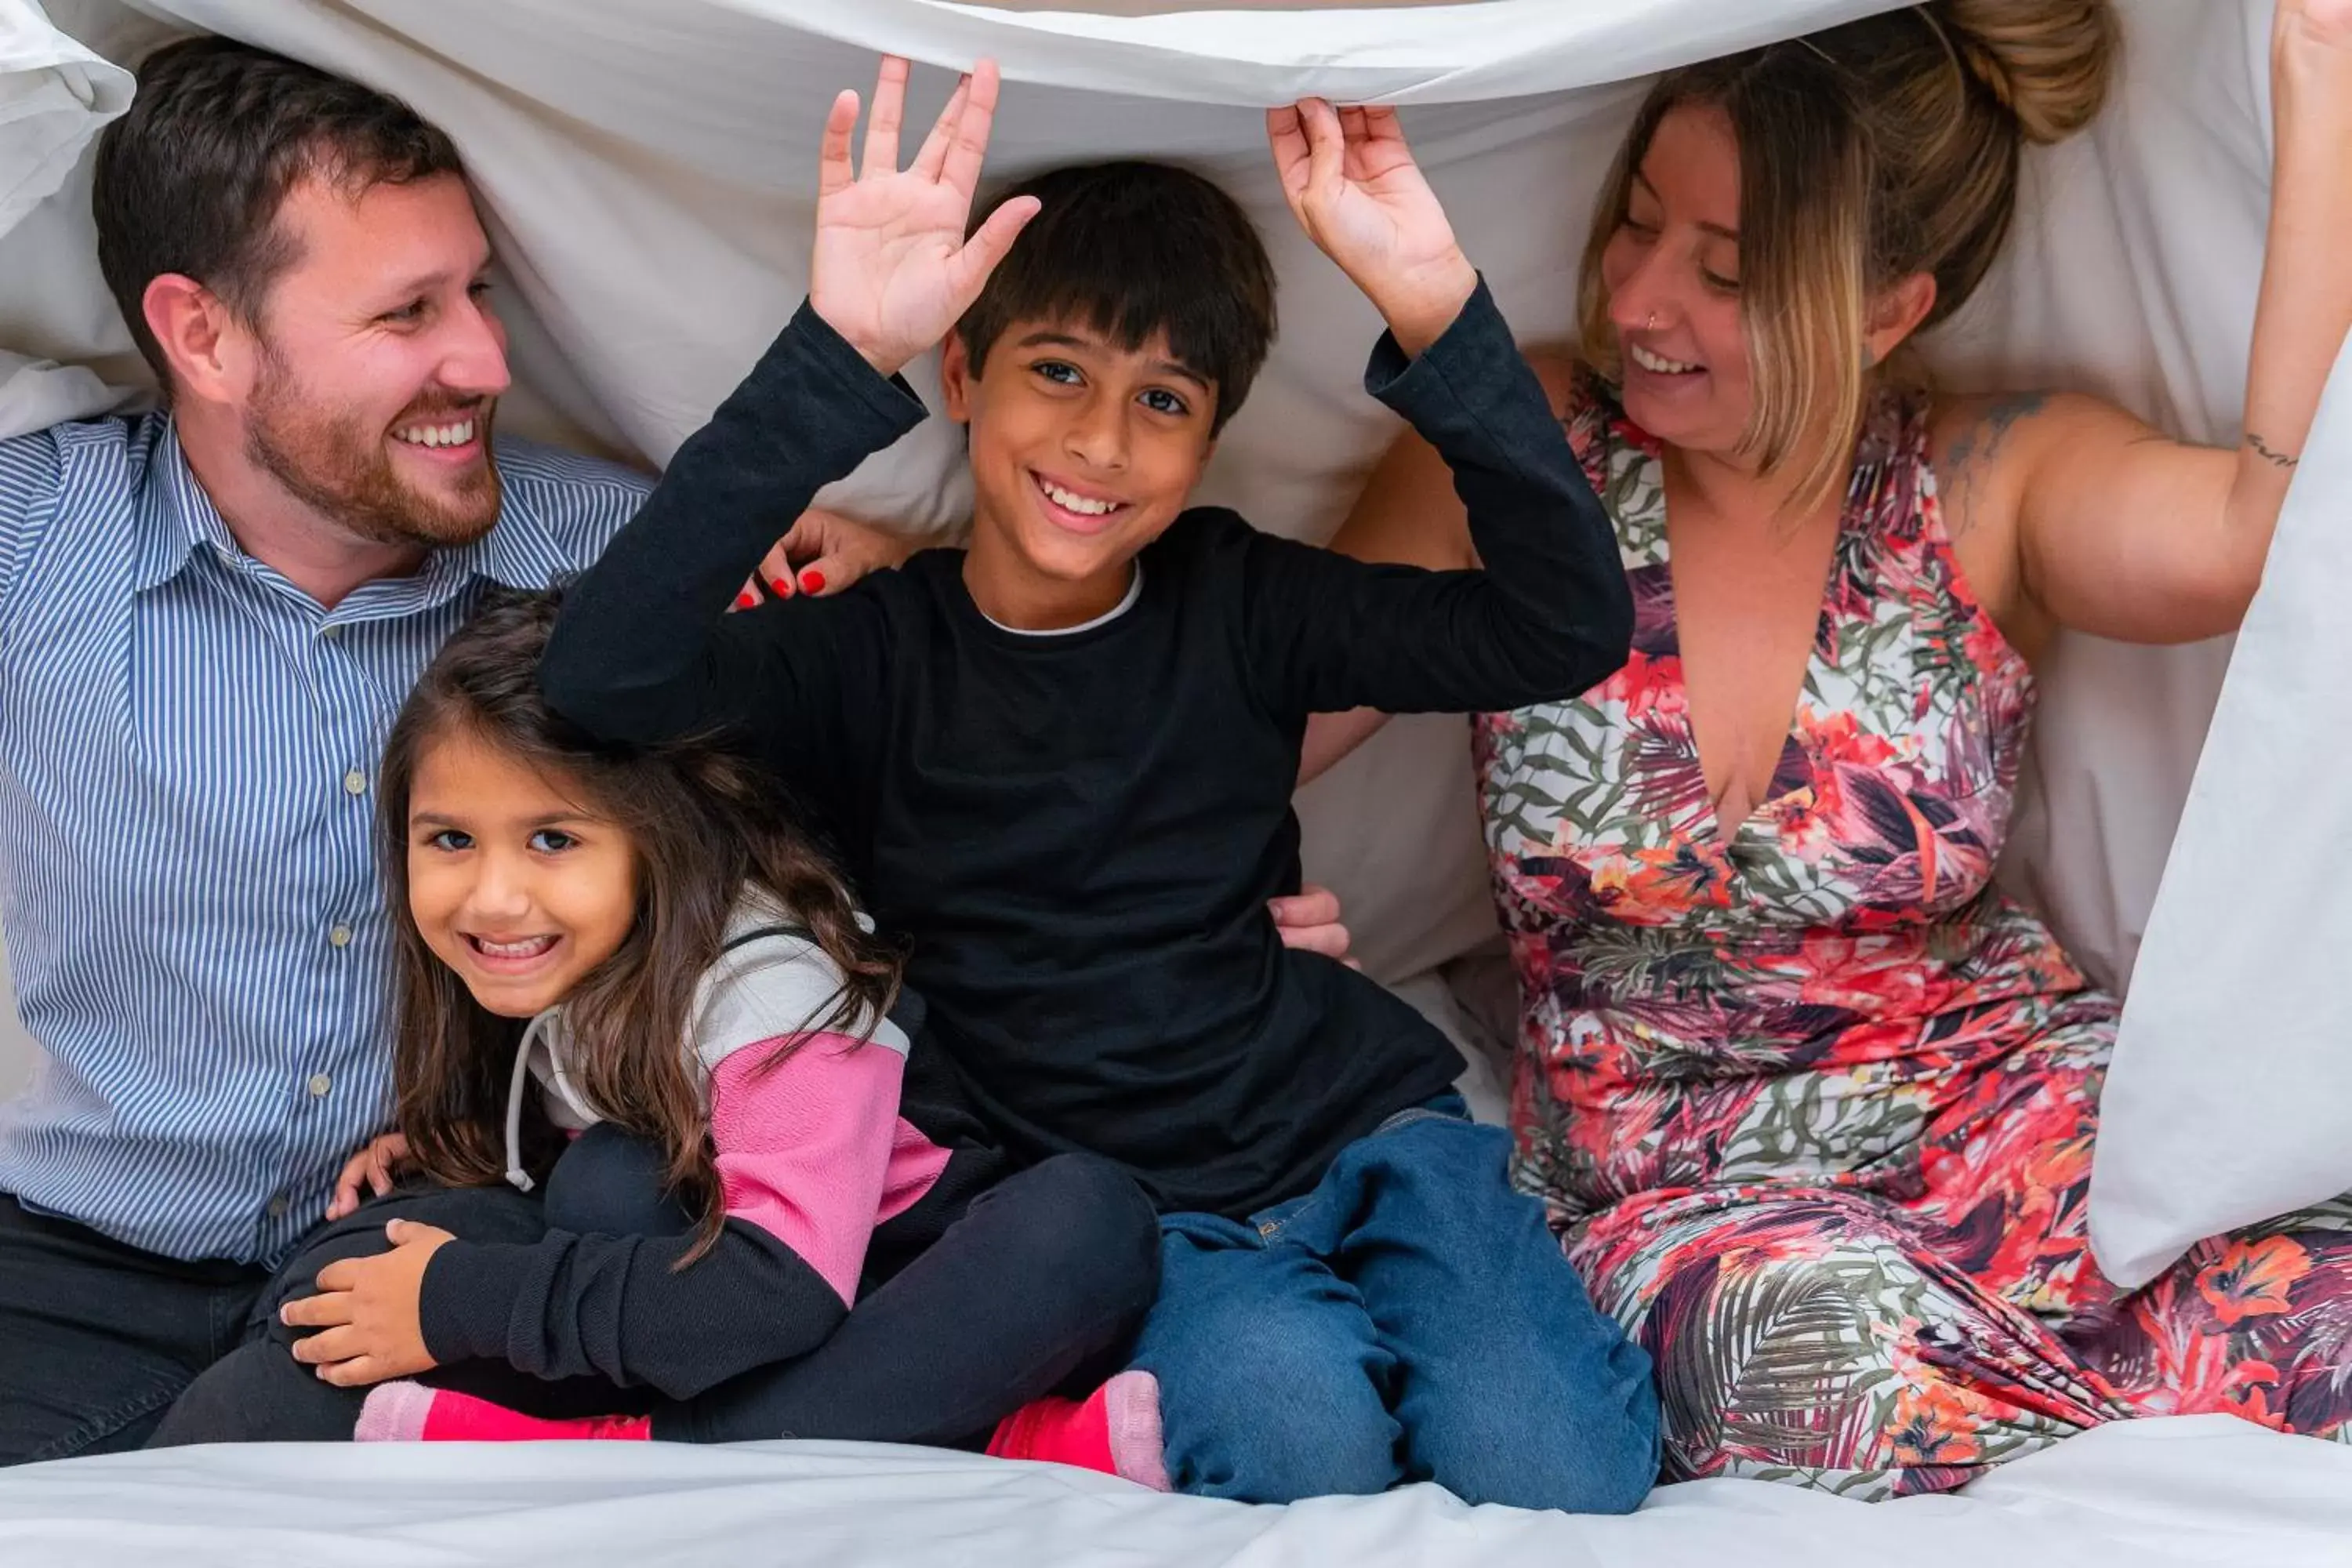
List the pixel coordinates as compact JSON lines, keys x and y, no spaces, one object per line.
{"x":746,"y":600}
{"x":812,"y":581}
{"x":782,"y":585}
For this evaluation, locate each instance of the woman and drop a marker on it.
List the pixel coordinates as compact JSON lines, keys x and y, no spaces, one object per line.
{"x":1814,"y":1103}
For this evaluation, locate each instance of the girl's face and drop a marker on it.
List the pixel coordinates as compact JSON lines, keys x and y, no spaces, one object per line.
{"x":512,"y":882}
{"x":1672,"y":271}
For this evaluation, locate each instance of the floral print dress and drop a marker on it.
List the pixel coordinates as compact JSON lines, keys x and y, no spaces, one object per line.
{"x":1811,"y":1101}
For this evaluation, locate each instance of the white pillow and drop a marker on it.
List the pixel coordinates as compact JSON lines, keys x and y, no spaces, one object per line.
{"x":2230,"y":1097}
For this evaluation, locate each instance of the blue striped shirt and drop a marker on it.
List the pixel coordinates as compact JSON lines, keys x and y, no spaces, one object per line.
{"x":188,"y":748}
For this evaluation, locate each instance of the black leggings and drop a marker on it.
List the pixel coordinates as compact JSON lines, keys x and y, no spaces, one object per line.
{"x":1038,"y":1287}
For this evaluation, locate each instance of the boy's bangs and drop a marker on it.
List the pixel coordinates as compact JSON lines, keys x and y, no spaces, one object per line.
{"x":1139,"y":253}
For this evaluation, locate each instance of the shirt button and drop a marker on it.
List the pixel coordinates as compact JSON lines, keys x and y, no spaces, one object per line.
{"x":355,"y":782}
{"x":330,"y":631}
{"x":340,"y":936}
{"x":320,"y":1084}
{"x":277,"y":1206}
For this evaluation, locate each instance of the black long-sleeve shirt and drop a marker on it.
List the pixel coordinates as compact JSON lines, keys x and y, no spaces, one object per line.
{"x":1080,"y":832}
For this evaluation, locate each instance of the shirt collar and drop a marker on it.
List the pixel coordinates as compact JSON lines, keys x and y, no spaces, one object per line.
{"x":519,"y":551}
{"x":178,"y":515}
{"x":1125,"y":603}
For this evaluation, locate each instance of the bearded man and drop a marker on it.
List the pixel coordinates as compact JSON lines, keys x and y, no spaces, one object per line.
{"x":208,"y":615}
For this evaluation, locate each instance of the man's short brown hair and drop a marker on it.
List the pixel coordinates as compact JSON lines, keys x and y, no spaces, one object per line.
{"x":1133,"y":250}
{"x":190,"y":181}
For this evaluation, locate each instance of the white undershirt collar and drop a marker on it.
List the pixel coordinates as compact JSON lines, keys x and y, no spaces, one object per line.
{"x":1134,"y":592}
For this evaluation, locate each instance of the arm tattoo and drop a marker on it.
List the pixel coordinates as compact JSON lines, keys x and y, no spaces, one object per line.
{"x":2276,"y":459}
{"x":1975,"y":448}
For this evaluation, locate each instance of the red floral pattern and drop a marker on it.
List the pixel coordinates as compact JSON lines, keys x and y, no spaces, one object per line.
{"x":1812,"y":1101}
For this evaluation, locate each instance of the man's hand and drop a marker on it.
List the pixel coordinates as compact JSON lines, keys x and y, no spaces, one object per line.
{"x":824,"y":554}
{"x":366,"y":1312}
{"x":892,"y":271}
{"x":1309,"y":920}
{"x":372,"y":1167}
{"x":1351,"y":183}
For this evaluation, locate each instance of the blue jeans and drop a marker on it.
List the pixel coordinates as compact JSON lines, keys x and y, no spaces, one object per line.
{"x":1411,"y":1318}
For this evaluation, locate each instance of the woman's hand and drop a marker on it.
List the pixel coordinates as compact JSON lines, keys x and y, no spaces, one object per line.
{"x":2124,"y":533}
{"x":824,"y":554}
{"x":366,"y":1312}
{"x":1309,"y":920}
{"x":892,"y":271}
{"x":373,"y":1168}
{"x":2326,"y":24}
{"x":1352,"y":184}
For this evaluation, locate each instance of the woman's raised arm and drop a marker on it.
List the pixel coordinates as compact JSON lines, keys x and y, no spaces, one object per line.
{"x":2127,"y":534}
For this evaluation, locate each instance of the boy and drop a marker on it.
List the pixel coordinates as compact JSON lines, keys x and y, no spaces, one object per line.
{"x":1059,"y":764}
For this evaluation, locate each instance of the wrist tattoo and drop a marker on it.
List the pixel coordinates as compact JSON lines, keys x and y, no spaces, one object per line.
{"x":2276,"y":459}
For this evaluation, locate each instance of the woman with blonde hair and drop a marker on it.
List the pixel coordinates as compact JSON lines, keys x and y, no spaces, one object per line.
{"x":1812,"y":1102}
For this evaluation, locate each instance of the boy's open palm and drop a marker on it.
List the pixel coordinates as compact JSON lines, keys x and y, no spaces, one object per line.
{"x":1351,"y":183}
{"x":892,"y":271}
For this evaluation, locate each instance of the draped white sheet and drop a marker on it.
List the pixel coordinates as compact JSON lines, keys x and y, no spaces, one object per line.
{"x":648,"y":166}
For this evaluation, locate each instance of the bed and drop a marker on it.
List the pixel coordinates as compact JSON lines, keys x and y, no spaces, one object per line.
{"x":645,"y":167}
{"x":2200,"y":1490}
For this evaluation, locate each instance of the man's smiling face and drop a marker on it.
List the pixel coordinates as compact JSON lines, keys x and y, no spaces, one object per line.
{"x":381,"y":363}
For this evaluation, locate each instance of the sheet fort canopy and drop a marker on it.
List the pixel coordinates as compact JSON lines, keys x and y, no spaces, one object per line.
{"x":647,"y":169}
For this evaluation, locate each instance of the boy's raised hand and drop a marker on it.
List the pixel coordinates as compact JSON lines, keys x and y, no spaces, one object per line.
{"x":1352,"y":184}
{"x":892,"y":270}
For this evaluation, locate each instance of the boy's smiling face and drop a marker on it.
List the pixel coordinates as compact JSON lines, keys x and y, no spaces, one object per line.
{"x":1083,"y":452}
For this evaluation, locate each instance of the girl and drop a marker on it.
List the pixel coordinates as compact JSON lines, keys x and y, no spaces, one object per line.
{"x":627,"y":983}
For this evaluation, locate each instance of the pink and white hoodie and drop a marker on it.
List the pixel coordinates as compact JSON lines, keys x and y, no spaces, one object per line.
{"x":818,"y":1143}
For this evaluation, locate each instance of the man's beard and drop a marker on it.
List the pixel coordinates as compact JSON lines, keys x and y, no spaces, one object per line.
{"x":336,"y":464}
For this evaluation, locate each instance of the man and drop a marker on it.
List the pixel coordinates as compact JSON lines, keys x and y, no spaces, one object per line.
{"x":208,"y":615}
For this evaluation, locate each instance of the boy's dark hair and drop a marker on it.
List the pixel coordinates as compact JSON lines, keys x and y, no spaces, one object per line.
{"x":190,"y":181}
{"x":1133,"y":248}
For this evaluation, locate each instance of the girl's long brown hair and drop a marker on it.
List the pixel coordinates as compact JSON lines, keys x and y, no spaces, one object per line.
{"x":706,"y":827}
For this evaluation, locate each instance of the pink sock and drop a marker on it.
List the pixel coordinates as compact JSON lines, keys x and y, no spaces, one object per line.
{"x":411,"y":1413}
{"x":1116,"y":1430}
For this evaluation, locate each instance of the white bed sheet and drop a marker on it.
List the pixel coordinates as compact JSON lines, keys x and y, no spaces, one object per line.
{"x":2201,"y":1490}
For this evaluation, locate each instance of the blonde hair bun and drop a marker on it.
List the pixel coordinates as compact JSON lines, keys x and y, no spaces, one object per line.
{"x":2049,"y":61}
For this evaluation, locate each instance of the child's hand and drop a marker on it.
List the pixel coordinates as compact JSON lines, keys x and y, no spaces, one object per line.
{"x":1351,"y":183}
{"x":366,"y":1312}
{"x":372,"y":1166}
{"x":892,"y":270}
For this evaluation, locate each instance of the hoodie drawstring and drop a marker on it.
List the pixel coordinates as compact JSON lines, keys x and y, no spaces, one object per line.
{"x":515,"y":1173}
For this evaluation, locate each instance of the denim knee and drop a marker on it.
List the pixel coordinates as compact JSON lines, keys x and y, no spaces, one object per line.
{"x":1598,"y":1452}
{"x":1514,"y":1389}
{"x":1274,"y":1413}
{"x":1272,"y":1383}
